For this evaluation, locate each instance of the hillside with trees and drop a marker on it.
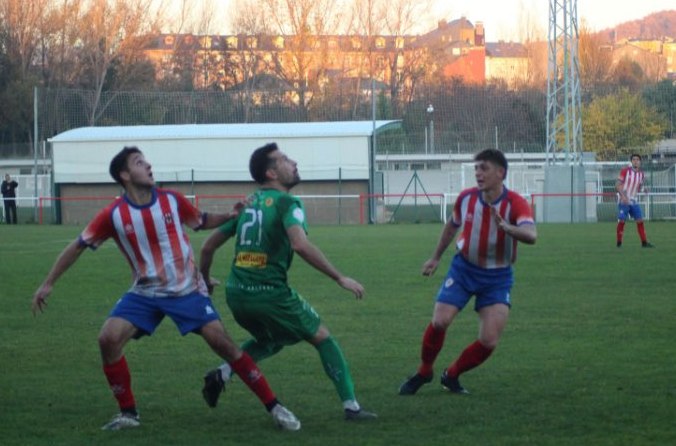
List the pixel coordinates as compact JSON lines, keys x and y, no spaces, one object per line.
{"x":654,"y":26}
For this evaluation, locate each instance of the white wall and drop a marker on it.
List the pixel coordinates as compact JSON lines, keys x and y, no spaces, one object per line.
{"x":215,"y":152}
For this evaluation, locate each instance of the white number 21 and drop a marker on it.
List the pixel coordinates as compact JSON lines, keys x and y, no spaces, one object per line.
{"x":256,"y":220}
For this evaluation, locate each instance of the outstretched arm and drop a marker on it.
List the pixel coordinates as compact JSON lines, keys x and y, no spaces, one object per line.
{"x":215,"y":219}
{"x":312,"y":255}
{"x":215,"y":240}
{"x":65,"y":260}
{"x":445,"y":239}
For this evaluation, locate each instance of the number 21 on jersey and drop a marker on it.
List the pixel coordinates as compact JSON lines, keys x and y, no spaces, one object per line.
{"x":252,"y":229}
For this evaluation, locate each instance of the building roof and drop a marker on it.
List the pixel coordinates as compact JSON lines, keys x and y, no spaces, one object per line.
{"x":506,"y":49}
{"x":218,"y":131}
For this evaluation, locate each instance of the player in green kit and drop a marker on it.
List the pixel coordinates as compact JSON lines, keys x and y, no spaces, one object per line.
{"x":267,"y":234}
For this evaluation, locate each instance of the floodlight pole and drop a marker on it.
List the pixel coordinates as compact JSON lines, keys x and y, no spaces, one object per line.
{"x":430,"y":114}
{"x":564,"y":118}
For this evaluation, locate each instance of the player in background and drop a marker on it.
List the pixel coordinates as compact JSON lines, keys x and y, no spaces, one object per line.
{"x":628,"y":184}
{"x":491,"y":220}
{"x":147,"y":225}
{"x":266,"y":235}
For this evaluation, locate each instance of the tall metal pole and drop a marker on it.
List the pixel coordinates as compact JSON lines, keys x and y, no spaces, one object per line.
{"x":564,"y":120}
{"x":35,"y":152}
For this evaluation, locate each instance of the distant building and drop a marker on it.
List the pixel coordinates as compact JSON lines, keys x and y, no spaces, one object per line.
{"x":653,"y":64}
{"x":455,"y":49}
{"x":507,"y":61}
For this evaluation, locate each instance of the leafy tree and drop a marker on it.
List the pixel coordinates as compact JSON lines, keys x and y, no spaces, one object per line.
{"x":662,"y":96}
{"x":629,"y":74}
{"x":615,"y":125}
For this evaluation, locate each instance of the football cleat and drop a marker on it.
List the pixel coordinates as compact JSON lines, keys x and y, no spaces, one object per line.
{"x":361,"y":414}
{"x":284,"y":418}
{"x":213,"y":386}
{"x":123,"y":420}
{"x":452,"y":384}
{"x":411,"y":385}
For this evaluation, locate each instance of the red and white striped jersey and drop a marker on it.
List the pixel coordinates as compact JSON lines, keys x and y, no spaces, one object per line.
{"x":632,"y":182}
{"x":481,"y":242}
{"x":152,"y":239}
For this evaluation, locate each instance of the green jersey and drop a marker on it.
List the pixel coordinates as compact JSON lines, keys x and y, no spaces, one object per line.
{"x":263,"y":253}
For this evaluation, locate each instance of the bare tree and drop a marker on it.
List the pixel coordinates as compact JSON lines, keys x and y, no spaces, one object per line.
{"x":22,"y":21}
{"x":112,"y":31}
{"x":244,"y":63}
{"x":533,"y":36}
{"x":595,"y":55}
{"x":304,"y":59}
{"x":401,"y":17}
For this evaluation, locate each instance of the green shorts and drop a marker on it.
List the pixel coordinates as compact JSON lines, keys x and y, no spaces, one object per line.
{"x":283,"y":318}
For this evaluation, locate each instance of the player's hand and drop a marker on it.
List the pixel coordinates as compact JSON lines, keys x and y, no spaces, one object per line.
{"x":429,"y":267}
{"x":238,"y":207}
{"x":352,"y":285}
{"x":211,"y":283}
{"x":501,"y":222}
{"x":40,"y":299}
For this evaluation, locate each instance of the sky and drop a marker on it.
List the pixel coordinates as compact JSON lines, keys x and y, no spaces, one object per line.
{"x":501,"y":18}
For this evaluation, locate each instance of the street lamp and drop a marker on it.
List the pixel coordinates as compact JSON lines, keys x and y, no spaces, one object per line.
{"x":430,"y":112}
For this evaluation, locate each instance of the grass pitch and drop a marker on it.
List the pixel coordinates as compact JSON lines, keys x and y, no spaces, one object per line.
{"x":586,"y":359}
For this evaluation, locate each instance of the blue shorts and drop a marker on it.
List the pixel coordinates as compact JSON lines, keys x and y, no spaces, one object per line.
{"x":190,"y":312}
{"x":633,"y":210}
{"x":464,"y":280}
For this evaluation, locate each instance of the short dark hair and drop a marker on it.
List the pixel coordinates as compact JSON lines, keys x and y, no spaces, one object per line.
{"x":494,"y":156}
{"x":260,"y":162}
{"x":119,"y":162}
{"x":635,"y":155}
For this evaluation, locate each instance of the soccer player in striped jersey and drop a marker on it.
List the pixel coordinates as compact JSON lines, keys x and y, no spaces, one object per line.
{"x":628,"y":184}
{"x":147,"y":225}
{"x":267,"y":234}
{"x":490,"y":220}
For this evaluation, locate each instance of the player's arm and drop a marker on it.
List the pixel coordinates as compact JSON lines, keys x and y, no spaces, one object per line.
{"x":312,"y":255}
{"x":445,"y":239}
{"x":215,"y":219}
{"x":66,"y":259}
{"x":215,"y":240}
{"x":524,"y":232}
{"x":620,"y":190}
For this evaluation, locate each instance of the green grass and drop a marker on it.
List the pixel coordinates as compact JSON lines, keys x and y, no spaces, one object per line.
{"x":586,"y":359}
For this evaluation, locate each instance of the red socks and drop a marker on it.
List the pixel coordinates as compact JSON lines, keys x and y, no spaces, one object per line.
{"x":620,"y":230}
{"x":119,"y":378}
{"x":639,"y":226}
{"x":433,"y":341}
{"x":641,"y":231}
{"x":249,"y":372}
{"x":474,"y":355}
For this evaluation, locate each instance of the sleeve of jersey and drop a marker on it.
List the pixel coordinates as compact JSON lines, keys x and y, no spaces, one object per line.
{"x":522,"y":212}
{"x":98,"y":230}
{"x":456,"y":217}
{"x":229,"y":228}
{"x":622,"y":175}
{"x":293,"y":212}
{"x":189,"y":214}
